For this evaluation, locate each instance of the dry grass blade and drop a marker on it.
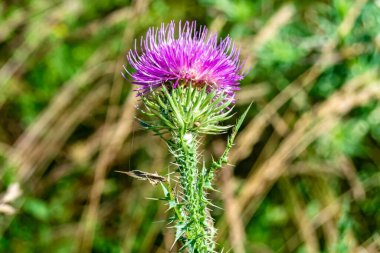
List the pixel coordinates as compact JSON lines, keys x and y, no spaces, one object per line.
{"x":299,"y":216}
{"x":109,"y":149}
{"x":31,"y":43}
{"x":237,"y":235}
{"x":270,"y":30}
{"x":11,"y":23}
{"x":308,"y":128}
{"x":332,"y":209}
{"x":276,"y":22}
{"x":107,"y":155}
{"x":47,"y":148}
{"x":54,"y":139}
{"x":251,"y":134}
{"x":61,"y":102}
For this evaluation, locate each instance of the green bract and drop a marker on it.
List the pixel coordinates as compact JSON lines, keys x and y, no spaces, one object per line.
{"x":187,"y":109}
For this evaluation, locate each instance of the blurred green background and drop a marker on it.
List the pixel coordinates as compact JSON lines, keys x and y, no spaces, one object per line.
{"x":307,"y":175}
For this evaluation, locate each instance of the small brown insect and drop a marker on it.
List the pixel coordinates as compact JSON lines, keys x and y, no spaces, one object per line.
{"x":153,"y":178}
{"x":197,"y":124}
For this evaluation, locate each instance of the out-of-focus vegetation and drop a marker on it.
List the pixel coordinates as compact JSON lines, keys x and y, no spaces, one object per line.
{"x":307,"y":174}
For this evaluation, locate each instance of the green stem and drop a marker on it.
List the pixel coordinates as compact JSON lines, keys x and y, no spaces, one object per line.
{"x":195,"y":228}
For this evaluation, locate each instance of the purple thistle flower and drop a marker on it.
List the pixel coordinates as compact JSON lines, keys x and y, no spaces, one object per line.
{"x":190,"y":57}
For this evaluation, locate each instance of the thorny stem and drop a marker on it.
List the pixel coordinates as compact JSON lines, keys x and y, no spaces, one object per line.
{"x":195,"y":229}
{"x":186,"y":113}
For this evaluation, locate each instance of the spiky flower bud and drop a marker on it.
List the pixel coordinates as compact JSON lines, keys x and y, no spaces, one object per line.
{"x":186,"y":109}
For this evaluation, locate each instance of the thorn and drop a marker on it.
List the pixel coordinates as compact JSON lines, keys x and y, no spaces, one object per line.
{"x":148,"y":198}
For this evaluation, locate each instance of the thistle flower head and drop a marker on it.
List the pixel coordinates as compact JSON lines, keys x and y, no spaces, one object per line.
{"x":185,"y":55}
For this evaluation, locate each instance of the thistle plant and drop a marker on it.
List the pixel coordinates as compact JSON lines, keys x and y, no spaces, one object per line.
{"x":187,"y":79}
